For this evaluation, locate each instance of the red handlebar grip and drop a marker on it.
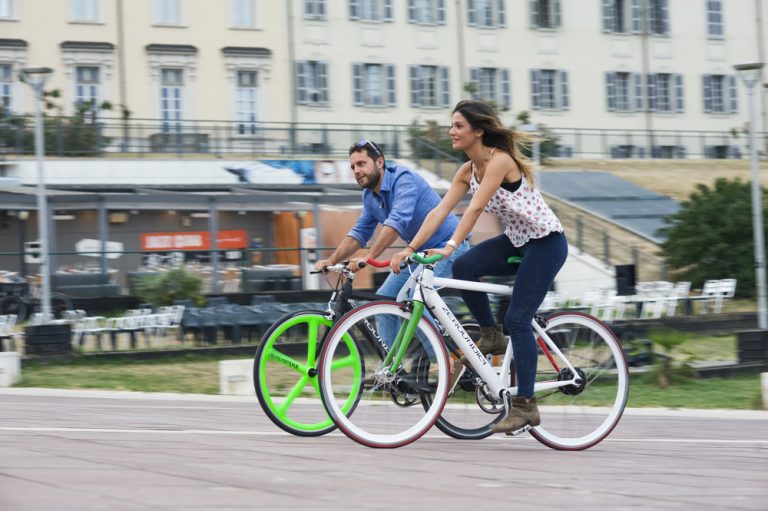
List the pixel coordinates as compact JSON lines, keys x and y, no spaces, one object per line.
{"x":377,"y":264}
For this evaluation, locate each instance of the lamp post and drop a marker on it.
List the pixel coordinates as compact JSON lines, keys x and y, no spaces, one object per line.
{"x":36,"y":77}
{"x":750,"y":74}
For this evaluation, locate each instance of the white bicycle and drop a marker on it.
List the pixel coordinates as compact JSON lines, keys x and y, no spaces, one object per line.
{"x":582,"y":381}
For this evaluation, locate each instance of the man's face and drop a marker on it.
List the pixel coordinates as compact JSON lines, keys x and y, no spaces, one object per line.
{"x":367,"y":172}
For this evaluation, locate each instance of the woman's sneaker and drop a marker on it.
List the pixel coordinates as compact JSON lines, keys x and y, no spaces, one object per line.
{"x":523,"y":412}
{"x":492,"y":342}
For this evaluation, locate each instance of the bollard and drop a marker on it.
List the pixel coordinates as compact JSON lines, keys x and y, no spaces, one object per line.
{"x":236,"y":377}
{"x":764,"y":385}
{"x":10,"y":368}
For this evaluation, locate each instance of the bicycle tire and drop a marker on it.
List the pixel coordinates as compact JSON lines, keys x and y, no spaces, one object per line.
{"x":283,"y":368}
{"x":573,"y":418}
{"x":389,"y":413}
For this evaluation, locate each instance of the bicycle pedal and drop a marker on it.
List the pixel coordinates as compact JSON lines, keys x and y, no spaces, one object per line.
{"x":520,"y":431}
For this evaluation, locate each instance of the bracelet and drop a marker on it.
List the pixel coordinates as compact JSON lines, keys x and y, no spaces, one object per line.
{"x":451,"y":243}
{"x":412,"y":249}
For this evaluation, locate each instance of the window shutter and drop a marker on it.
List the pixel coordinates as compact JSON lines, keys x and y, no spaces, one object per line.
{"x":412,"y":11}
{"x":506,"y":97}
{"x":534,"y":4}
{"x":637,"y":17}
{"x":637,"y":106}
{"x":387,"y":10}
{"x":445,"y":86}
{"x":707,"y":84}
{"x":440,"y":12}
{"x":565,"y":102}
{"x":354,"y":9}
{"x":558,"y":14}
{"x":501,"y":14}
{"x":734,"y":94}
{"x":665,"y":16}
{"x":608,"y":21}
{"x":415,"y":96}
{"x":301,"y":82}
{"x":391,"y":85}
{"x":652,"y":95}
{"x":321,"y":8}
{"x":473,"y":72}
{"x":322,"y":69}
{"x":471,"y":20}
{"x":610,"y":90}
{"x":535,"y":101}
{"x":357,"y":84}
{"x":679,"y":94}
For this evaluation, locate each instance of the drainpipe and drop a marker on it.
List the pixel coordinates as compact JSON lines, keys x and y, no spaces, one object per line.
{"x":292,"y":72}
{"x":761,"y":58}
{"x":462,"y":50}
{"x":646,"y":66}
{"x":122,"y":89}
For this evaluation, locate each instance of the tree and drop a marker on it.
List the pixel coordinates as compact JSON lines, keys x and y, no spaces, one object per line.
{"x":711,"y":236}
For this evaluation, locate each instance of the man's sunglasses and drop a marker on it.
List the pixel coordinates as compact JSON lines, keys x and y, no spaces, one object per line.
{"x":367,"y":143}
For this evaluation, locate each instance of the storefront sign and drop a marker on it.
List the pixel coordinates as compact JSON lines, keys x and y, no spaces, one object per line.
{"x":195,"y":240}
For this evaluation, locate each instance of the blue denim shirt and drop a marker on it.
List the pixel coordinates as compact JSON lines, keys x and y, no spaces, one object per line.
{"x":402,"y":203}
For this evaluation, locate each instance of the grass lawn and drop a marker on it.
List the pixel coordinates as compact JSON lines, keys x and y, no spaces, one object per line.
{"x":199,"y":374}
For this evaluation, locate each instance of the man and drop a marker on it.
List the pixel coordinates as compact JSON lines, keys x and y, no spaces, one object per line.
{"x":399,"y":199}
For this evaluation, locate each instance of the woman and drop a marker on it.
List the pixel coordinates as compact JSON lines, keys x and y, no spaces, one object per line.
{"x":501,"y":182}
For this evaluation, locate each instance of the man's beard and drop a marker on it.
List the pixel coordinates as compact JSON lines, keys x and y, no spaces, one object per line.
{"x":373,"y":181}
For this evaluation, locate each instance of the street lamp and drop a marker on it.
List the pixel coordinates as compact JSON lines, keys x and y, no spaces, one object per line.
{"x":750,"y":74}
{"x":36,"y":77}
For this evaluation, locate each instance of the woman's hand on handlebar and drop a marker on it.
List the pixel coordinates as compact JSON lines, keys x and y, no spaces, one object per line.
{"x":398,"y":258}
{"x":446,"y":252}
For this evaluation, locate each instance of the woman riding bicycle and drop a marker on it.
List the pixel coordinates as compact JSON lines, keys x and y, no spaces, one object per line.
{"x":501,"y":181}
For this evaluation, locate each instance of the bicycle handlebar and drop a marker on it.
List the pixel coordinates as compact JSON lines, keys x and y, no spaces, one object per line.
{"x":338,"y":267}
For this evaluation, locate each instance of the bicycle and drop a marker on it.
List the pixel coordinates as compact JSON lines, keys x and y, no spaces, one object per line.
{"x":285,"y":362}
{"x":582,"y":380}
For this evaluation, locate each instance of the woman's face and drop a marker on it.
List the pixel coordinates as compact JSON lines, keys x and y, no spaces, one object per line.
{"x":462,"y":134}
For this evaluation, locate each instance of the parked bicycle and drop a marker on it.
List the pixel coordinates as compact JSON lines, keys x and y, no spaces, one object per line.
{"x":582,"y":380}
{"x":284,"y":369}
{"x":17,"y":298}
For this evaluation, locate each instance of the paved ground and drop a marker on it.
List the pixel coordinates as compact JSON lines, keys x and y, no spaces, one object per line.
{"x":79,"y":450}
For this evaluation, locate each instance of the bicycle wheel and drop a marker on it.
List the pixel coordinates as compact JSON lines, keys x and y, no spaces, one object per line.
{"x":390,"y":411}
{"x":470,"y":409}
{"x":285,"y":376}
{"x":578,"y":417}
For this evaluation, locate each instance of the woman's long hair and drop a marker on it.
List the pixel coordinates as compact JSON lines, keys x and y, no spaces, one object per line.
{"x":481,"y":116}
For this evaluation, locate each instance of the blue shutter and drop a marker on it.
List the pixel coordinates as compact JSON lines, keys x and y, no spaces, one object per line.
{"x":534,"y":5}
{"x":354,"y":9}
{"x":391,"y":86}
{"x":322,"y":69}
{"x":440,"y":12}
{"x":415,"y":96}
{"x":357,"y":84}
{"x":637,"y":17}
{"x":301,"y":82}
{"x":652,"y":94}
{"x":502,"y":17}
{"x":608,"y":15}
{"x":679,"y":94}
{"x":445,"y":86}
{"x":558,"y":14}
{"x":565,"y":102}
{"x":535,"y":101}
{"x":506,"y":96}
{"x":734,"y":94}
{"x":638,"y":95}
{"x":706,"y":81}
{"x":471,"y":19}
{"x":473,"y":71}
{"x":387,"y":10}
{"x":665,"y":16}
{"x":610,"y":90}
{"x":412,"y":11}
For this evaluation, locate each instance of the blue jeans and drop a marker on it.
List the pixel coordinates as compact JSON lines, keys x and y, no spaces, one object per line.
{"x":542,"y":259}
{"x":395,"y":282}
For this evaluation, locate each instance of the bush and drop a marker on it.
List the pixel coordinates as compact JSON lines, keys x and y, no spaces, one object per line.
{"x":167,"y":287}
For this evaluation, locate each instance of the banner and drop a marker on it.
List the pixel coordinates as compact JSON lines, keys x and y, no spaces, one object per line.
{"x":194,"y":240}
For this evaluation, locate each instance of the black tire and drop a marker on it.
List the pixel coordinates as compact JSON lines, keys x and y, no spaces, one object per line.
{"x":14,"y":305}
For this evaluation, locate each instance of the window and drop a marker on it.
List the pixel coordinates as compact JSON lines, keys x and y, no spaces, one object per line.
{"x":658,"y":17}
{"x":430,"y":86}
{"x":715,"y":18}
{"x":426,"y":12}
{"x":243,"y":14}
{"x":486,"y":13}
{"x":549,"y":89}
{"x":665,"y":92}
{"x":87,"y":81}
{"x":374,"y":84}
{"x":84,"y":10}
{"x":312,"y":82}
{"x":314,"y":9}
{"x":720,"y":94}
{"x":6,"y":87}
{"x":622,"y":16}
{"x":171,"y":98}
{"x":246,"y":102}
{"x":7,"y":11}
{"x":491,"y":84}
{"x":624,"y":91}
{"x":370,"y":10}
{"x":168,"y":12}
{"x":545,"y":13}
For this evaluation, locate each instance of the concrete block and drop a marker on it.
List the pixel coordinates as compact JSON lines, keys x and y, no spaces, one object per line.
{"x":10,"y":368}
{"x":236,"y":377}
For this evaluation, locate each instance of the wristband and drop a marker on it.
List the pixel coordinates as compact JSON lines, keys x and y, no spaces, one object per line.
{"x":451,"y":243}
{"x":412,"y":249}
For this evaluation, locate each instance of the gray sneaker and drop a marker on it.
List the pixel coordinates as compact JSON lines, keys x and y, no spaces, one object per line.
{"x":523,"y":413}
{"x":492,"y":342}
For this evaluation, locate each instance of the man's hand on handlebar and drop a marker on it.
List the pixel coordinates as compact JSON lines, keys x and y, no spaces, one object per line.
{"x":398,"y":258}
{"x":322,"y":263}
{"x":356,"y":264}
